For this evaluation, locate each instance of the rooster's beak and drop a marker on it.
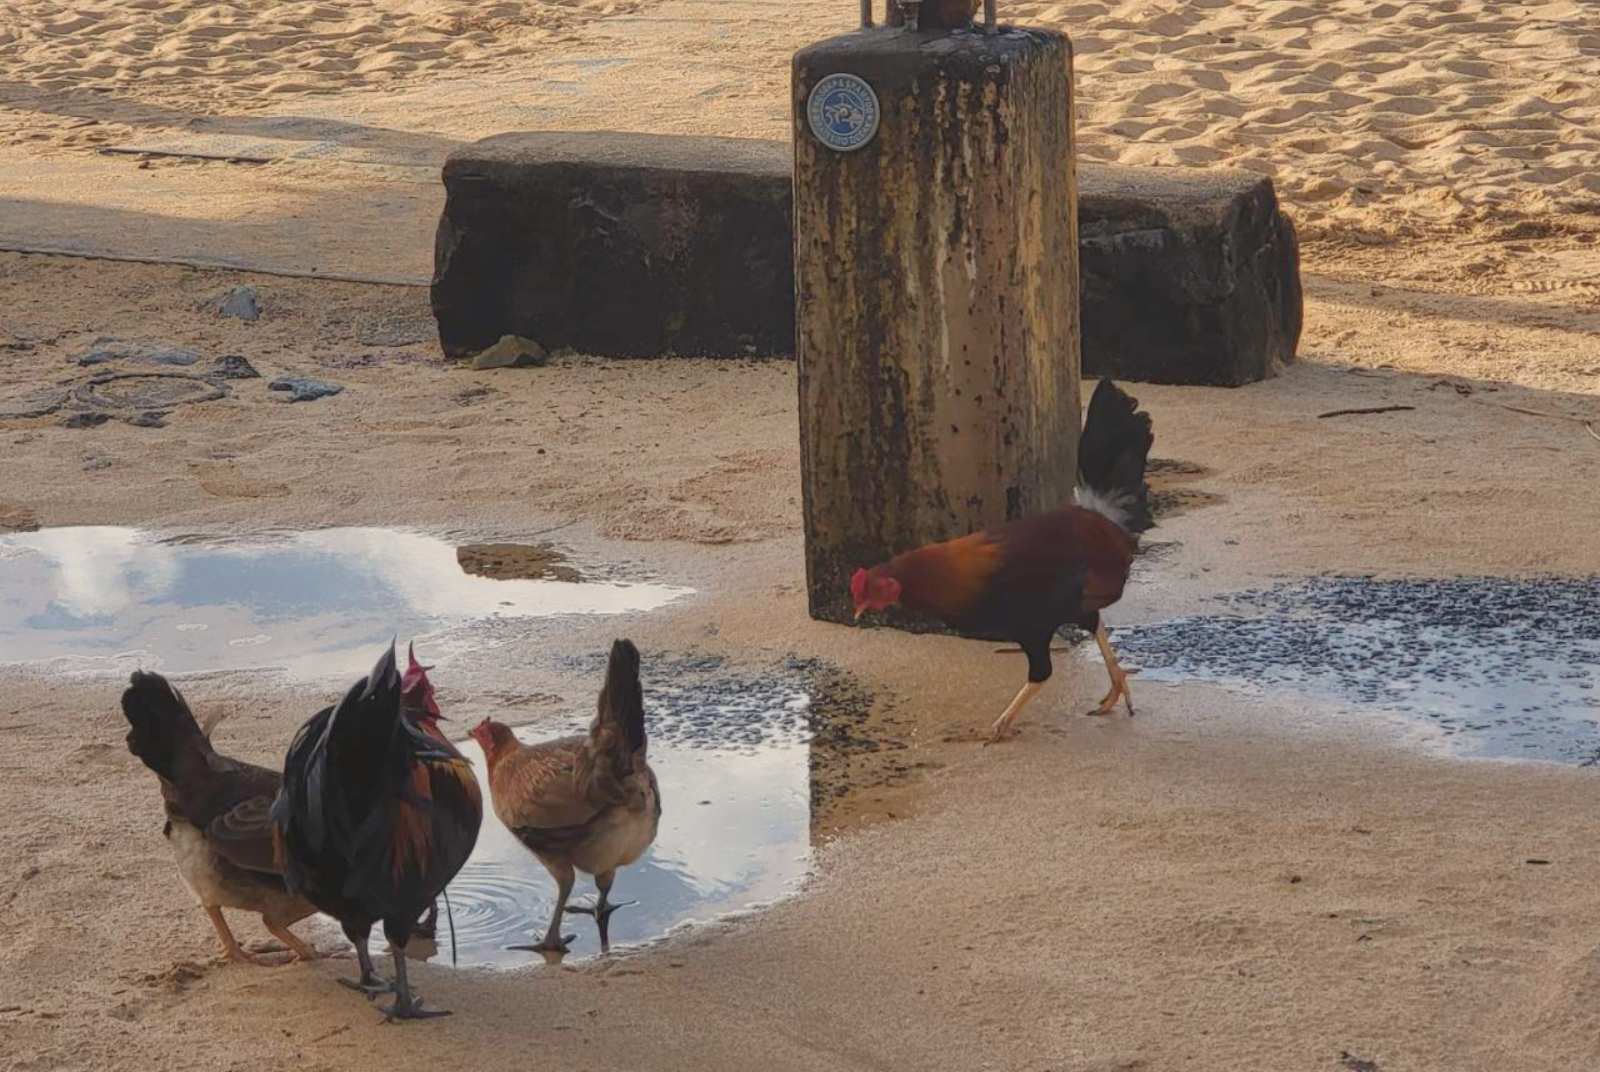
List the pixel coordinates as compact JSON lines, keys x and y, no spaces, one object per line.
{"x":859,"y":612}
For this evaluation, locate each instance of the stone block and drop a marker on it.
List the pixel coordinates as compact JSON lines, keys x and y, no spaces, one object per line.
{"x":647,"y":245}
{"x":1189,"y":276}
{"x":617,"y":244}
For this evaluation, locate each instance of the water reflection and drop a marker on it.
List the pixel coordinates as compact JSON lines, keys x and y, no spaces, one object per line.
{"x":314,"y":604}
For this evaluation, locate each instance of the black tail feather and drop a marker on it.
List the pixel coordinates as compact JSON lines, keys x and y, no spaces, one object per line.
{"x":160,"y":722}
{"x":1112,"y":454}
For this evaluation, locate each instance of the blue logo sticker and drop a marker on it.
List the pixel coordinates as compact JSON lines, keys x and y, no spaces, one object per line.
{"x":843,"y":112}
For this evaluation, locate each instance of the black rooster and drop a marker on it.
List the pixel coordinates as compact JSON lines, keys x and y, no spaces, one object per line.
{"x":377,"y":813}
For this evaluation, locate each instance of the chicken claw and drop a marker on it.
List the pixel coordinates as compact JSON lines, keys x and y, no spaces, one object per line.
{"x":411,"y":1010}
{"x":230,"y":945}
{"x":601,"y":911}
{"x":370,"y":983}
{"x":1000,"y":733}
{"x":407,"y":1005}
{"x":414,"y":1012}
{"x":1119,"y":678}
{"x":1004,"y":725}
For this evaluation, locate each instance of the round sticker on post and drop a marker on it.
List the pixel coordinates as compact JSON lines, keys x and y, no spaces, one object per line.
{"x":843,"y":112}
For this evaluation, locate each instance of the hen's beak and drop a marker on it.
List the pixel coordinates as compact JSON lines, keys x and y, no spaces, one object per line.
{"x":860,"y":610}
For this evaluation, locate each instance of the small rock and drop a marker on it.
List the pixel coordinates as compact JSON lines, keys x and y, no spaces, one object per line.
{"x":149,"y":419}
{"x":241,"y":304}
{"x":94,"y":464}
{"x":34,"y":403}
{"x":85,"y":420}
{"x":303,"y":388}
{"x":234,"y":367}
{"x":107,"y":349}
{"x":512,"y":351}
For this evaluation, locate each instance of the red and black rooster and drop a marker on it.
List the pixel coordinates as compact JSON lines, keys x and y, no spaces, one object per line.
{"x":1026,"y":579}
{"x":377,"y":813}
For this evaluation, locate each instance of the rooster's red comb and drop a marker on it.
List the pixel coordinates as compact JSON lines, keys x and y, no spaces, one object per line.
{"x":858,"y":585}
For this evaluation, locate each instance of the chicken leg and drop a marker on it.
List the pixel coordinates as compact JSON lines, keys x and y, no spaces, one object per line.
{"x":554,"y":941}
{"x":1002,"y":725}
{"x":1119,"y":677}
{"x":230,"y":945}
{"x":370,"y":983}
{"x":601,"y":910}
{"x":282,"y":933}
{"x":407,"y":1006}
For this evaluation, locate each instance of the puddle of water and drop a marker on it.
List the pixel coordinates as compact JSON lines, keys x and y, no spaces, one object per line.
{"x":1497,"y":668}
{"x":313,"y":604}
{"x":734,"y":833}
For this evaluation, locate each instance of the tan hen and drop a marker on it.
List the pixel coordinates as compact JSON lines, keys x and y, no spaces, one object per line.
{"x":585,"y":803}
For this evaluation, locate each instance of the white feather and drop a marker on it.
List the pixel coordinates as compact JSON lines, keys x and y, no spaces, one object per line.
{"x":1113,"y":508}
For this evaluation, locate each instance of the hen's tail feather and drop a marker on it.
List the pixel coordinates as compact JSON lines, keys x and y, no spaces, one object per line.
{"x":616,"y":737}
{"x":160,"y":722}
{"x":1112,"y":454}
{"x":622,"y":698}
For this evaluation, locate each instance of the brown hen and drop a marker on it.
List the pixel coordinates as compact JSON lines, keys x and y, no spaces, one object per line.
{"x":585,"y":803}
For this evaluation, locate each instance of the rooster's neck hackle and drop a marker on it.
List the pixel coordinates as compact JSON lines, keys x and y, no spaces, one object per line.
{"x":946,"y":578}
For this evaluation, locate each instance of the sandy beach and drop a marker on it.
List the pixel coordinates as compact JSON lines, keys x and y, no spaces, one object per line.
{"x":1229,"y":880}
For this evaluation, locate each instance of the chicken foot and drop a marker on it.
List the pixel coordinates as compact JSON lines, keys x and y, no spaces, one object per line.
{"x":370,"y":983}
{"x":230,"y":945}
{"x":301,"y":950}
{"x":407,"y":1005}
{"x":1002,"y":725}
{"x":554,"y":941}
{"x":601,"y":910}
{"x":1119,"y":677}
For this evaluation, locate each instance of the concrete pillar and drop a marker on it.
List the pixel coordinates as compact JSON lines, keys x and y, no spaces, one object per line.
{"x":936,"y":271}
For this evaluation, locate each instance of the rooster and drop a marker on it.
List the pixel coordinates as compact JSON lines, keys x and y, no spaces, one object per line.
{"x":377,"y":813}
{"x":584,"y":803}
{"x":217,"y":819}
{"x":1026,"y":579}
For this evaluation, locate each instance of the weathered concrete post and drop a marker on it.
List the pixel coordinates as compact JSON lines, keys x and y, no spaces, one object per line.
{"x":936,"y":271}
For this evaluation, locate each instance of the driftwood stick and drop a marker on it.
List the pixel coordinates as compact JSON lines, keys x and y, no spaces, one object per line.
{"x":1588,"y":424}
{"x":1366,"y":409}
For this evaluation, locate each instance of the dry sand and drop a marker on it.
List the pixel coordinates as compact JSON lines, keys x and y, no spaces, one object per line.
{"x":1219,"y":883}
{"x":1376,"y":120}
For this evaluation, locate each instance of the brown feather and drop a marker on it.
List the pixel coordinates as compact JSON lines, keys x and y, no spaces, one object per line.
{"x":411,"y":827}
{"x":537,"y":785}
{"x":947,"y":578}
